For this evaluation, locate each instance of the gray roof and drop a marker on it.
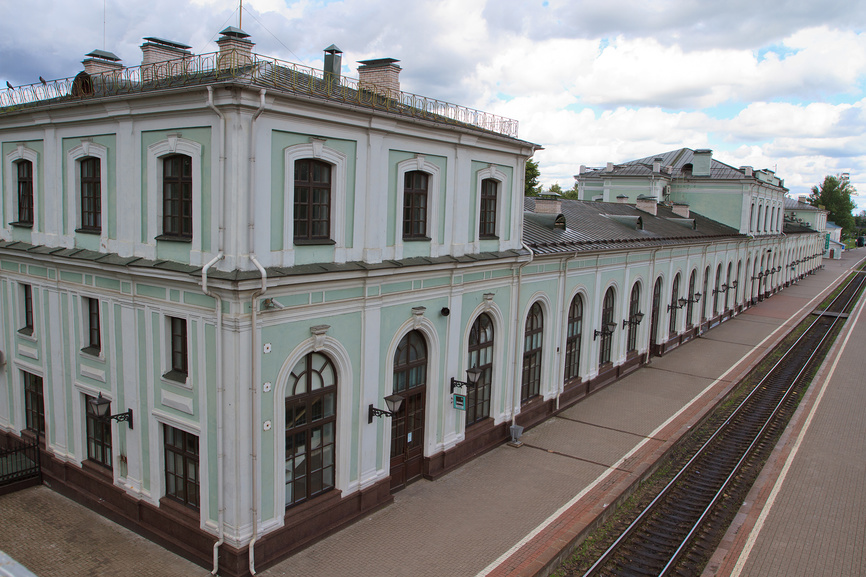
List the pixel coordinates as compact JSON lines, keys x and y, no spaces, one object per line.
{"x":794,"y":204}
{"x":592,"y":226}
{"x":679,"y":159}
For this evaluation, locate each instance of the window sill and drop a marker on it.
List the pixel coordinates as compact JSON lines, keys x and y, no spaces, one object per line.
{"x":417,"y":239}
{"x":19,"y":224}
{"x":177,"y":378}
{"x":187,"y":511}
{"x":27,"y":332}
{"x":171,"y":238}
{"x":93,"y":351}
{"x":313,"y":242}
{"x":488,"y":237}
{"x":94,"y":231}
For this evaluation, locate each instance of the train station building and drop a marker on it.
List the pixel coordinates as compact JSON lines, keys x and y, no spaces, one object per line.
{"x":300,"y":291}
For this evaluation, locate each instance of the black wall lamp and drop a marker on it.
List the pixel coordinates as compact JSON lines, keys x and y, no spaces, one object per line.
{"x":696,"y":298}
{"x":606,"y":330}
{"x":721,"y":289}
{"x":634,"y":319}
{"x":393,"y":402}
{"x":472,"y":377}
{"x":681,"y":302}
{"x":100,"y":406}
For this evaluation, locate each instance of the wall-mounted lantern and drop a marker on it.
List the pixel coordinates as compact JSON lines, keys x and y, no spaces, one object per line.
{"x":100,"y":406}
{"x":634,"y":320}
{"x":472,"y":377}
{"x":606,"y":330}
{"x":393,"y":402}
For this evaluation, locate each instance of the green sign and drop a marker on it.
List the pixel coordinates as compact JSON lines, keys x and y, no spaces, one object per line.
{"x":459,"y":401}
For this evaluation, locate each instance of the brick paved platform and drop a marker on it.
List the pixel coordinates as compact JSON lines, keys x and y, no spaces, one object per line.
{"x":510,"y":511}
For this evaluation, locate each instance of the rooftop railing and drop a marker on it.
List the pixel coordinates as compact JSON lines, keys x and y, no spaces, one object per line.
{"x":252,"y":69}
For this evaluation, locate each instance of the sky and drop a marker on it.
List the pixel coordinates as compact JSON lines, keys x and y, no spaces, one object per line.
{"x":777,"y":84}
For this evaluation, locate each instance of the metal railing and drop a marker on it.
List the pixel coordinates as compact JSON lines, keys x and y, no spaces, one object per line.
{"x":19,"y":461}
{"x":252,"y":69}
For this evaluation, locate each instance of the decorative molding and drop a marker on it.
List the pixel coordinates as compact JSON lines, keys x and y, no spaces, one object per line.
{"x":417,"y":316}
{"x":318,"y":146}
{"x":319,"y":333}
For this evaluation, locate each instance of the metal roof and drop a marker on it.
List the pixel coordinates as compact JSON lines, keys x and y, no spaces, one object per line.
{"x":592,"y":226}
{"x":678,"y":159}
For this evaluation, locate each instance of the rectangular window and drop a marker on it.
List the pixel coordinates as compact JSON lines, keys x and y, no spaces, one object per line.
{"x":312,"y":203}
{"x":91,"y":195}
{"x":178,"y":369}
{"x":98,"y":436}
{"x":27,"y":309}
{"x":487,"y":224}
{"x":181,"y":466}
{"x":34,"y":404}
{"x":94,"y":337}
{"x":177,"y":197}
{"x":25,"y":193}
{"x":415,"y":205}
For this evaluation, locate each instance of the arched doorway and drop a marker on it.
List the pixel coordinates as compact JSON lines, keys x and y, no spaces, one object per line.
{"x":654,"y":316}
{"x":407,"y":426}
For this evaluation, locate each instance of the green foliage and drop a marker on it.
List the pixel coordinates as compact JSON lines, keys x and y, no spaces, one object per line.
{"x":834,"y":195}
{"x":571,"y":192}
{"x":531,"y":186}
{"x":555,"y":189}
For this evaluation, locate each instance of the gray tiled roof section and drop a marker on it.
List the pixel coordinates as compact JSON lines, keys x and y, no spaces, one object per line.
{"x":589,"y":227}
{"x":678,"y":159}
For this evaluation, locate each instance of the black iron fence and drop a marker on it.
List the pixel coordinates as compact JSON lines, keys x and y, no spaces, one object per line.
{"x":19,"y":464}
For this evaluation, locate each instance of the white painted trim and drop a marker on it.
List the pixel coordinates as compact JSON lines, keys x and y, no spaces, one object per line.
{"x":87,"y":149}
{"x":21,"y":152}
{"x":492,"y":172}
{"x":434,"y":199}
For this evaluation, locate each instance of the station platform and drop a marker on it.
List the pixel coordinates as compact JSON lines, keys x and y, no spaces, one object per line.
{"x":806,"y":514}
{"x":511,"y":511}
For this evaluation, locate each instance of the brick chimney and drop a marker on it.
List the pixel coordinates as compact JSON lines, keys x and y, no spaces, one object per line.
{"x":622,"y":198}
{"x":235,"y":49}
{"x":101,"y":61}
{"x":381,"y":76}
{"x":155,"y":51}
{"x":647,"y":204}
{"x":681,"y":209}
{"x":548,"y":203}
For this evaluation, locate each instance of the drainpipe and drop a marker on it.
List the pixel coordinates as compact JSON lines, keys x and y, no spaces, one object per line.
{"x":253,"y":346}
{"x":517,"y":340}
{"x":219,"y":330}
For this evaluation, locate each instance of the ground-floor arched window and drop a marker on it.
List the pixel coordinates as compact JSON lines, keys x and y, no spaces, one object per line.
{"x":530,"y":384}
{"x":573,"y":339}
{"x":480,"y":357}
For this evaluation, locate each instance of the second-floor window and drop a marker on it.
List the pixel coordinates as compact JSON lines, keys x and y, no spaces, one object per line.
{"x":27,"y":309}
{"x":415,"y":204}
{"x":312,"y":200}
{"x":25,"y":192}
{"x":91,"y":195}
{"x":94,"y":338}
{"x":178,"y":361}
{"x":487,"y":224}
{"x":177,"y":196}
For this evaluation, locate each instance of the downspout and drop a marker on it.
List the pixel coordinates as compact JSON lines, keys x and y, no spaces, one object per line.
{"x":517,"y":340}
{"x":253,"y":346}
{"x":219,"y":331}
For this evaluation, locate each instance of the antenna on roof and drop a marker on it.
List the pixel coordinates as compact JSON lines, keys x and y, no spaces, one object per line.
{"x":241,"y":15}
{"x":103,"y":24}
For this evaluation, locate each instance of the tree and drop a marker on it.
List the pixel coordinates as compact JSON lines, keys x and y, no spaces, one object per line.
{"x":571,"y":193}
{"x":555,"y":189}
{"x":531,"y":186}
{"x":834,"y":195}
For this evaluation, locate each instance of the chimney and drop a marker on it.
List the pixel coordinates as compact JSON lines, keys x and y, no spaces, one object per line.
{"x":804,"y":199}
{"x":582,"y":170}
{"x":548,"y":203}
{"x":235,"y":49}
{"x":155,"y":51}
{"x":657,"y":164}
{"x":701,"y":162}
{"x":747,"y":170}
{"x":381,"y":76}
{"x":681,"y":209}
{"x":622,"y":198}
{"x":333,"y":62}
{"x":647,"y":204}
{"x":101,"y":61}
{"x":609,"y":167}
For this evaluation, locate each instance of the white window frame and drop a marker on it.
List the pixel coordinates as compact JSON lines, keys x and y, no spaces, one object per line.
{"x":317,"y":150}
{"x":492,"y":172}
{"x":21,"y":152}
{"x":87,"y":149}
{"x":419,"y":162}
{"x":174,"y":144}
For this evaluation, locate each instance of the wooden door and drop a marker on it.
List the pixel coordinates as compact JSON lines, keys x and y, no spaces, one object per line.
{"x":407,"y":425}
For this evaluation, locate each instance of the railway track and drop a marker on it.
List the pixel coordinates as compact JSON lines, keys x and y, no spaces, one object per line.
{"x":677,"y":532}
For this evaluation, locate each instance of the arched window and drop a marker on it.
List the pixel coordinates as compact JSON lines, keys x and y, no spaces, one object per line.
{"x":656,"y":313}
{"x":728,"y":288}
{"x":716,"y":289}
{"x":312,"y":209}
{"x":606,"y":319}
{"x":415,"y":204}
{"x":480,"y":357}
{"x":573,"y":338}
{"x":530,"y":385}
{"x":311,"y":421}
{"x":737,"y":281}
{"x":706,"y":294}
{"x":674,"y":306}
{"x":691,"y":305}
{"x":633,"y":309}
{"x":25,"y":192}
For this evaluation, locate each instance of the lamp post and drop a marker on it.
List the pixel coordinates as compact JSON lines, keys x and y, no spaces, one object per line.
{"x":393,"y":402}
{"x":100,"y":406}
